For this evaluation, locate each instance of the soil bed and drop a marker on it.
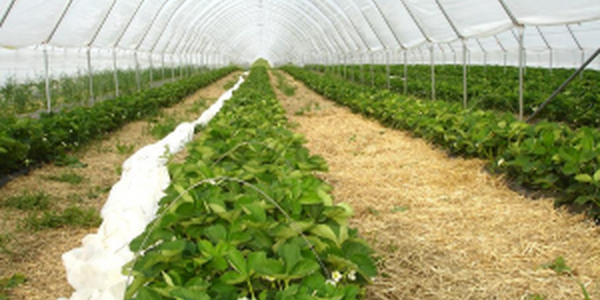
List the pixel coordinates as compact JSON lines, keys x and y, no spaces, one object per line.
{"x":37,"y":254}
{"x":443,"y":227}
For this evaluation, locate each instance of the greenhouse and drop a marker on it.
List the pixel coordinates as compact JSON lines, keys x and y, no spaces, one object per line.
{"x":271,"y":149}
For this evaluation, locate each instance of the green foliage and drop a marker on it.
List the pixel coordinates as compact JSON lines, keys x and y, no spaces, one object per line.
{"x":24,"y":141}
{"x":262,"y":63}
{"x":284,"y":86}
{"x":161,"y":128}
{"x":67,"y":177}
{"x":559,"y":265}
{"x":124,"y":148}
{"x":9,"y":283}
{"x":496,"y":88}
{"x":71,"y":217}
{"x":69,"y":161}
{"x":244,"y":216}
{"x":28,"y":201}
{"x":547,"y":156}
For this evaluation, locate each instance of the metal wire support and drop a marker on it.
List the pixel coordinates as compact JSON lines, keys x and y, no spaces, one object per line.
{"x":564,"y":84}
{"x":90,"y":75}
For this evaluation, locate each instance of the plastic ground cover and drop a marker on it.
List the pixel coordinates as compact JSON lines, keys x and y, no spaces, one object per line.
{"x":94,"y":269}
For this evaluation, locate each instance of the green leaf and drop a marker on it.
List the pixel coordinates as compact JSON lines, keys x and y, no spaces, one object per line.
{"x":146,"y":293}
{"x":326,"y":232}
{"x":397,"y":209}
{"x":291,"y":255}
{"x":233,"y":277}
{"x":182,"y":192}
{"x":304,"y":268}
{"x":257,"y":213}
{"x":597,"y":176}
{"x":216,"y":233}
{"x":182,"y":293}
{"x":584,"y":178}
{"x":237,"y":261}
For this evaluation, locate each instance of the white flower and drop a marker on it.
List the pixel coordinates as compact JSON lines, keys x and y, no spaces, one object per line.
{"x":352,"y":275}
{"x":243,"y":298}
{"x":336,"y":276}
{"x":501,"y":162}
{"x":329,"y":281}
{"x":269,"y":278}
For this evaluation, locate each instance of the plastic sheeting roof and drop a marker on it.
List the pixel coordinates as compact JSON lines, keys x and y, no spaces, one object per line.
{"x":285,"y":30}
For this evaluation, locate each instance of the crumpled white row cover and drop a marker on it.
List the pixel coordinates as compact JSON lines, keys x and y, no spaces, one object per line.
{"x":95,"y":269}
{"x":278,"y":30}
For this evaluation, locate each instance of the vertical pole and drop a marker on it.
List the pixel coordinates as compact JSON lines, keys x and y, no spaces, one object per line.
{"x":115,"y":72}
{"x":521,"y":67}
{"x":432,"y":71}
{"x":551,"y":57}
{"x":90,"y":75}
{"x":345,"y":62}
{"x":405,"y":73}
{"x":137,"y":71}
{"x":362,"y":69}
{"x":465,"y":91}
{"x":172,"y":68}
{"x":151,"y":68}
{"x":163,"y":67}
{"x":372,"y":61}
{"x":505,"y":59}
{"x":387,"y":70}
{"x":47,"y":73}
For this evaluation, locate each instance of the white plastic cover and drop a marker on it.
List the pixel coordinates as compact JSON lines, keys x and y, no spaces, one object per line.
{"x":95,"y":269}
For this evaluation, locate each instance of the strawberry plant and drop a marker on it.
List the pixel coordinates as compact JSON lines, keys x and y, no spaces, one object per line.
{"x":547,"y":156}
{"x":25,"y":142}
{"x":245,"y":217}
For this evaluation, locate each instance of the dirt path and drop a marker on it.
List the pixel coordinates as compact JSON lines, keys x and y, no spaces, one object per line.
{"x":444,"y":228}
{"x":37,"y":254}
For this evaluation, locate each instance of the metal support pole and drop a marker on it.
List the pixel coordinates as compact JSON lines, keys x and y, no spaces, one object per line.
{"x":387,"y":70}
{"x":47,"y":73}
{"x":151,"y":68}
{"x":431,"y":57}
{"x":372,"y":61}
{"x":362,"y":69}
{"x":405,"y":79}
{"x":90,"y":75}
{"x":137,"y":71}
{"x":521,"y":67}
{"x":172,"y":68}
{"x":465,"y":75}
{"x":115,"y":72}
{"x":564,"y":84}
{"x":163,"y":67}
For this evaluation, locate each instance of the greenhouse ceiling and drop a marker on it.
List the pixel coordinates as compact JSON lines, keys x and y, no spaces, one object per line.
{"x":286,"y":30}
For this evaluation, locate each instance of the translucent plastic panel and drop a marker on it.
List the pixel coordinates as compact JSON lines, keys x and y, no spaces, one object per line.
{"x":142,"y":20}
{"x":30,"y":22}
{"x":431,"y":19}
{"x":401,"y":22}
{"x":380,"y":28}
{"x":80,"y":23}
{"x":474,"y":18}
{"x":361,"y":25}
{"x":549,"y":12}
{"x":116,"y":23}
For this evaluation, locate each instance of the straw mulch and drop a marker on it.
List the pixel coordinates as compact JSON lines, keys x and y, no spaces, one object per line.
{"x":37,"y":255}
{"x":443,"y":227}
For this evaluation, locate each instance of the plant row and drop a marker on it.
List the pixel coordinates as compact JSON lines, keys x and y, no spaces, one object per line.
{"x":546,"y":156}
{"x":496,"y":88}
{"x":246,"y":218}
{"x":25,"y":142}
{"x":18,"y":98}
